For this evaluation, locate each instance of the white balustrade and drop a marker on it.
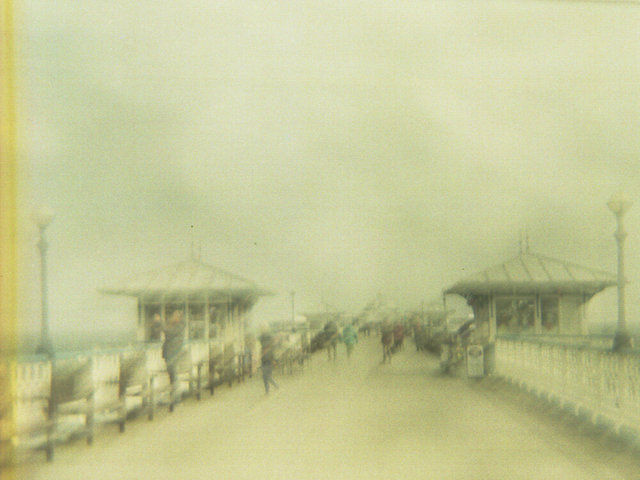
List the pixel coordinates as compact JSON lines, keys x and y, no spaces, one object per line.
{"x":106,"y":375}
{"x":33,"y":387}
{"x":89,"y":383}
{"x":199,"y":351}
{"x":33,"y":380}
{"x":603,"y":385}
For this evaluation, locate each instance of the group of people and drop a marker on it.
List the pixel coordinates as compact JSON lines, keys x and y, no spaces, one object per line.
{"x":332,"y":336}
{"x":172,"y":335}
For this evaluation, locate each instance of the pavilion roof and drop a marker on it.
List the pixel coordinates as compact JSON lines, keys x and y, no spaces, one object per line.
{"x":186,"y":278}
{"x":531,"y":273}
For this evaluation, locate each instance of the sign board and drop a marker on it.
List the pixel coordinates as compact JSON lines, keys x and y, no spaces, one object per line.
{"x":475,"y":361}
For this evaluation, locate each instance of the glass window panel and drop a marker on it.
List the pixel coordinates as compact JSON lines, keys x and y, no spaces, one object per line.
{"x":515,"y":314}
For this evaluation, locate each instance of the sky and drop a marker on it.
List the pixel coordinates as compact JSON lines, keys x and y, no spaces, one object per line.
{"x":338,"y":149}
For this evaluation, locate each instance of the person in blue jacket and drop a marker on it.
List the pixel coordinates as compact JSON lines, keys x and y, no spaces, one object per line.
{"x":350,"y":338}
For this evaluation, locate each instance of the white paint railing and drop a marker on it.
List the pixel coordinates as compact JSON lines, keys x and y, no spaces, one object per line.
{"x":94,"y":385}
{"x":104,"y":385}
{"x":32,"y":391}
{"x":595,"y":383}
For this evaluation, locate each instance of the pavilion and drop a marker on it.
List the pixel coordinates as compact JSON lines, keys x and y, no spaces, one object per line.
{"x":216,"y":304}
{"x":531,"y":294}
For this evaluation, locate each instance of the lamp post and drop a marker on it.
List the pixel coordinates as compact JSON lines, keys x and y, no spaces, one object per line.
{"x":619,"y":205}
{"x":293,"y":310}
{"x":43,"y":218}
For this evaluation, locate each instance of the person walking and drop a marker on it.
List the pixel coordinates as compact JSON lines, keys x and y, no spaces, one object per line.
{"x":267,"y":360}
{"x":332,"y":336}
{"x":386,"y":337}
{"x":172,"y":351}
{"x":350,"y":338}
{"x":398,"y":337}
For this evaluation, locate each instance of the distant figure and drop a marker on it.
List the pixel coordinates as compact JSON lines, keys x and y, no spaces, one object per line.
{"x":267,"y":360}
{"x":365,"y":329}
{"x":398,"y":337}
{"x":172,"y":350}
{"x":386,"y":337}
{"x":155,"y":328}
{"x":317,"y":342}
{"x":350,"y":338}
{"x":419,"y":336}
{"x":331,"y":340}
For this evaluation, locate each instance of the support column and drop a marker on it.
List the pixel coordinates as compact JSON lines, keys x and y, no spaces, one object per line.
{"x":228,"y":320}
{"x":239,"y":319}
{"x":538,"y":314}
{"x":236,"y":315}
{"x":561,"y":325}
{"x":187,"y":316}
{"x":207,"y":317}
{"x":493,"y":325}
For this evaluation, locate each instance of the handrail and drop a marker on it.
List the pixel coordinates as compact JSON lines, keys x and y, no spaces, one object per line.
{"x":596,"y":342}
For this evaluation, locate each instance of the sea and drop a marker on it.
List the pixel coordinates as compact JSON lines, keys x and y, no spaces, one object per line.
{"x":77,"y":341}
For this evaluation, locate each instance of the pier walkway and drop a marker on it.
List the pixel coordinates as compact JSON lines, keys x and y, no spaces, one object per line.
{"x":352,"y":419}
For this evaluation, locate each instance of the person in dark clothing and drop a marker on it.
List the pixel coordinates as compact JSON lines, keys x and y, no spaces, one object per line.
{"x":155,"y":328}
{"x":267,"y":360}
{"x":398,"y":337}
{"x":386,"y":338}
{"x":419,"y":336}
{"x":332,"y":335}
{"x":172,"y":349}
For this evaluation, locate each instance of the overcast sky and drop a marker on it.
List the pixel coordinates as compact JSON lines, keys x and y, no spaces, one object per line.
{"x":339,"y":149}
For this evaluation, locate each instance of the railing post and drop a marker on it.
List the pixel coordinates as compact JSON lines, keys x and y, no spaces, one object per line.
{"x":91,"y":399}
{"x":199,"y":381}
{"x":51,"y":413}
{"x":152,"y":395}
{"x":212,"y":372}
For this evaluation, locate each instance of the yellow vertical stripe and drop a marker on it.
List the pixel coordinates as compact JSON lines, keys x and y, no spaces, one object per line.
{"x":8,"y":227}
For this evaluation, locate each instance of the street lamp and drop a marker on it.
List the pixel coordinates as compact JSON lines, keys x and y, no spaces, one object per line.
{"x":619,"y":205}
{"x":43,"y":218}
{"x":293,"y":310}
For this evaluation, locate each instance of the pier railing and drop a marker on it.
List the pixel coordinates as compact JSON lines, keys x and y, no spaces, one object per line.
{"x":582,"y":375}
{"x":70,"y":395}
{"x":75,"y":392}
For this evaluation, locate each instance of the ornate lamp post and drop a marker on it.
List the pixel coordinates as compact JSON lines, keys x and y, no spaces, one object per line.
{"x":43,"y":218}
{"x":619,"y":205}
